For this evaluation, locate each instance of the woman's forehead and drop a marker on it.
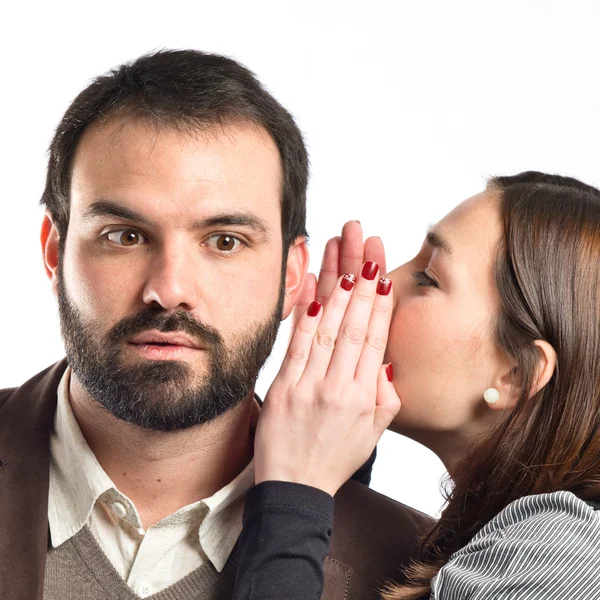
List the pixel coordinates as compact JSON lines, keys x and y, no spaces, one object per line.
{"x":474,"y":226}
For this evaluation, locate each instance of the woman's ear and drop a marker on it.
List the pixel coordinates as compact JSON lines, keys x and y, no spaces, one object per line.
{"x":295,"y":274}
{"x":545,"y":367}
{"x":507,"y":382}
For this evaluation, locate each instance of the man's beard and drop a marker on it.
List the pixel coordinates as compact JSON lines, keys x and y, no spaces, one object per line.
{"x":164,"y":395}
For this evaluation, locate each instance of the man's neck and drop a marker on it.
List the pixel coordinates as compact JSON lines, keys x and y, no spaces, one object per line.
{"x":163,"y":471}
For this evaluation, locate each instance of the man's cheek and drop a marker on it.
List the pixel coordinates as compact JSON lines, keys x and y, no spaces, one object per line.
{"x":258,"y":292}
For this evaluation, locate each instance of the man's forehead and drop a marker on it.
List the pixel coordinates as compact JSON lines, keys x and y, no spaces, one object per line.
{"x":137,"y":141}
{"x":236,"y":165}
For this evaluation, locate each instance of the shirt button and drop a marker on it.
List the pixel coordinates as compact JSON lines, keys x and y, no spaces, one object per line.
{"x":119,"y":509}
{"x":144,"y":590}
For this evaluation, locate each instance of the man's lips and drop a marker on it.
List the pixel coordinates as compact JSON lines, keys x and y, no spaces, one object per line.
{"x":165,"y":339}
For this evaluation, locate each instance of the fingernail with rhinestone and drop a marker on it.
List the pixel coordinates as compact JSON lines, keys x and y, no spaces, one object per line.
{"x":384,"y":286}
{"x":348,"y":281}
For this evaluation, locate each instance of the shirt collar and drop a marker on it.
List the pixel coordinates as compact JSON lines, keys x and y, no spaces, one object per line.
{"x":76,"y":478}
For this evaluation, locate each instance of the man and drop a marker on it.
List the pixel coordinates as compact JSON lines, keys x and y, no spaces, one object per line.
{"x":174,"y":240}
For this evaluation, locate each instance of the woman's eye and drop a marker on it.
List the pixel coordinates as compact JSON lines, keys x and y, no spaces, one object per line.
{"x":422,"y":278}
{"x":126,"y":237}
{"x":224,"y":242}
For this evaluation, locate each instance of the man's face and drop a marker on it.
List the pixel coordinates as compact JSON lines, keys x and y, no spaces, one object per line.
{"x":171,"y":234}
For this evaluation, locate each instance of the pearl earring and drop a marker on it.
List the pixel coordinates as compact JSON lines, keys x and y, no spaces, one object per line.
{"x":491,"y":395}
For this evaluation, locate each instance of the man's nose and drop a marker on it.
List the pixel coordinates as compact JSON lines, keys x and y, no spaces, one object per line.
{"x":171,"y":278}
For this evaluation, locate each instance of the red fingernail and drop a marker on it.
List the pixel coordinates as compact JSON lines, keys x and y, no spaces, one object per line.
{"x":370,"y":270}
{"x":389,"y":370}
{"x":348,"y":281}
{"x":314,"y":308}
{"x":384,"y":286}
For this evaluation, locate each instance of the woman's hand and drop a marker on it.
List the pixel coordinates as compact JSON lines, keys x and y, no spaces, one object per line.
{"x":343,"y":254}
{"x":332,"y":399}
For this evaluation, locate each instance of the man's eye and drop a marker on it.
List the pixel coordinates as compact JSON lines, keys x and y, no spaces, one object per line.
{"x":126,"y":237}
{"x":224,"y":242}
{"x":422,"y":278}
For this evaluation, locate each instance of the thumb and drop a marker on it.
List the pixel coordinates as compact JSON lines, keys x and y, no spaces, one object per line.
{"x":388,"y":402}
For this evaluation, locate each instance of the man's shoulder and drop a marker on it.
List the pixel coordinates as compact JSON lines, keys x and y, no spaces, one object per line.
{"x":367,"y":513}
{"x":32,"y":399}
{"x":374,"y":536}
{"x":5,"y":394}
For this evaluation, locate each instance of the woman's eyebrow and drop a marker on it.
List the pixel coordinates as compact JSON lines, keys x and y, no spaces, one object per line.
{"x":435,"y":240}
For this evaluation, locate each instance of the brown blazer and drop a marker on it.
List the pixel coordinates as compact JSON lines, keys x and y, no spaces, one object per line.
{"x":373,"y":537}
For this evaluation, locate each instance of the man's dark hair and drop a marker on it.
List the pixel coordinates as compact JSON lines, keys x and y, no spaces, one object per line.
{"x":191,"y":91}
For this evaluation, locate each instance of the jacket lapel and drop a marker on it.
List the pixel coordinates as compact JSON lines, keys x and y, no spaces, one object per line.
{"x":26,"y":421}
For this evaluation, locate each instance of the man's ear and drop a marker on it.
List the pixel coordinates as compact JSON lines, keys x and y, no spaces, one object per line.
{"x":295,"y":274}
{"x":50,"y":241}
{"x":505,"y":383}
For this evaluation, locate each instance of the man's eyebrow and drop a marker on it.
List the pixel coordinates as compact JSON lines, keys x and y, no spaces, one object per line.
{"x":235,"y":218}
{"x":435,"y":240}
{"x":110,"y":208}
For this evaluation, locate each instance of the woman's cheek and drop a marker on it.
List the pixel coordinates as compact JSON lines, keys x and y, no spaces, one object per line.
{"x":415,"y":332}
{"x":420,"y":335}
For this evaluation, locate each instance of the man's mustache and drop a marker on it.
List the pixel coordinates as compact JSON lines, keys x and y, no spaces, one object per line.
{"x":158,"y":320}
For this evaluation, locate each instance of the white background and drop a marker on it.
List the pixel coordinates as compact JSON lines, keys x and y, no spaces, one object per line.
{"x":406,"y":106}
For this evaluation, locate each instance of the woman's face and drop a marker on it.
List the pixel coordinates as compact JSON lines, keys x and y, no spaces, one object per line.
{"x":442,"y":337}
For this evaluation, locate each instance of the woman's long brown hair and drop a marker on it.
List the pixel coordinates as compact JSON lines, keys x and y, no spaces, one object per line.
{"x":548,"y":277}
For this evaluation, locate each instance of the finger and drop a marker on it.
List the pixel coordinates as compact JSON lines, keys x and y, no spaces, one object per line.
{"x":308,"y":294}
{"x":298,"y":352}
{"x":375,"y":252}
{"x":354,"y":327}
{"x":351,"y":248}
{"x":328,"y":275}
{"x":388,"y":402}
{"x":323,"y":345}
{"x":376,"y":339}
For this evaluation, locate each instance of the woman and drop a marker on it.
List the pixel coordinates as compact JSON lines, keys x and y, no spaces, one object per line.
{"x":494,"y":344}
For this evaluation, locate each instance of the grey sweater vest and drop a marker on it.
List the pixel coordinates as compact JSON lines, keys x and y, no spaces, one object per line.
{"x":79,"y":570}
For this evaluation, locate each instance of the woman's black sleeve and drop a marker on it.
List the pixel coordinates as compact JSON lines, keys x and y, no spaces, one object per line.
{"x":287,"y":528}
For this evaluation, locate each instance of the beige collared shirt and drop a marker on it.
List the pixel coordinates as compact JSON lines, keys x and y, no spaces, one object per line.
{"x":81,"y":493}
